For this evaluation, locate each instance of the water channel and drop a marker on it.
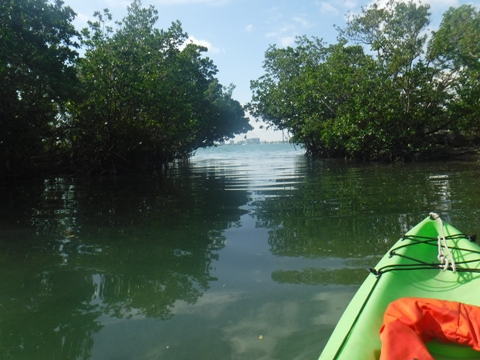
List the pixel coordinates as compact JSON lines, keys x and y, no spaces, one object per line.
{"x":244,"y":252}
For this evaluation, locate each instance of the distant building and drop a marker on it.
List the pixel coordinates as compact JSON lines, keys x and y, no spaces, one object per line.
{"x":253,"y":141}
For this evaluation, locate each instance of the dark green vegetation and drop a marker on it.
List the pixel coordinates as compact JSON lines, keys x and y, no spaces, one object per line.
{"x":388,"y":90}
{"x":138,"y":98}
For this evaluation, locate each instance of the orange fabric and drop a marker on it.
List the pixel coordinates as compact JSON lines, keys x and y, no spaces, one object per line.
{"x":409,"y":323}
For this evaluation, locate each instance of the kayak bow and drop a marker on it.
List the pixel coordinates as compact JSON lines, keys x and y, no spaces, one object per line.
{"x":432,"y":260}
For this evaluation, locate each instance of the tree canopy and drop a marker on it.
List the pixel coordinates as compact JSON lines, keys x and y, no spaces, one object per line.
{"x":139,"y":97}
{"x":37,"y":55}
{"x":386,"y":91}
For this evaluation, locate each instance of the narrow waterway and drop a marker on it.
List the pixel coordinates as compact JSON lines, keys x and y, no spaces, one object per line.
{"x":245,"y":252}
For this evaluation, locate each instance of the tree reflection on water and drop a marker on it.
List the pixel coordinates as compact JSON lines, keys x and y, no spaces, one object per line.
{"x":75,"y":250}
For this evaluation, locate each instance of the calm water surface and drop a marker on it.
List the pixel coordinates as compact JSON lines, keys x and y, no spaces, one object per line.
{"x":199,"y":262}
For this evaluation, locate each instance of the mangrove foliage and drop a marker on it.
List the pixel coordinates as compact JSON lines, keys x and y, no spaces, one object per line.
{"x":389,"y":90}
{"x":118,"y":96}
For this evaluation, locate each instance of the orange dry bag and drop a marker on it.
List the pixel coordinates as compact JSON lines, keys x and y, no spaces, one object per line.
{"x":409,"y":323}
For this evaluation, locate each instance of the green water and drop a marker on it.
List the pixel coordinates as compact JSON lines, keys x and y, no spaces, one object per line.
{"x":199,"y":262}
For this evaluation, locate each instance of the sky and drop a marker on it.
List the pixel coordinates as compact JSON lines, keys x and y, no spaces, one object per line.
{"x":238,"y":32}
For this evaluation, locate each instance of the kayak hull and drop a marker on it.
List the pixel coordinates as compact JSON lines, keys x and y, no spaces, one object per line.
{"x":409,"y":269}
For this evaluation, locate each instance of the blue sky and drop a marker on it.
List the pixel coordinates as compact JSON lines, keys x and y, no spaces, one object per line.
{"x":238,"y":32}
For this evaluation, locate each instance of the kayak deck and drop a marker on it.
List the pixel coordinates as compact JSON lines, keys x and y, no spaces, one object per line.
{"x":410,"y":269}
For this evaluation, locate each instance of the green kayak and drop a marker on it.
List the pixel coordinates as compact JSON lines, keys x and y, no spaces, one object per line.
{"x":433,"y":260}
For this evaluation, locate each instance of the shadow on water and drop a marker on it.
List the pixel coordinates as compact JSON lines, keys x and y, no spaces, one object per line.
{"x":72,"y":251}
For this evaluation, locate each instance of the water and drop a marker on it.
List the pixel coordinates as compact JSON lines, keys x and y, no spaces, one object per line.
{"x":246,"y":252}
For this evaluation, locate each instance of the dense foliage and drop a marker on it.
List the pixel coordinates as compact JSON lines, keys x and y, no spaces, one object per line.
{"x":138,"y":98}
{"x":386,"y":91}
{"x":149,"y":96}
{"x":37,"y":51}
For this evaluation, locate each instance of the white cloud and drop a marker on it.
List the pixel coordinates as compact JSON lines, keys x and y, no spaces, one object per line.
{"x":327,"y":8}
{"x":81,"y":20}
{"x":118,"y":4}
{"x":274,"y":15}
{"x":335,"y":7}
{"x":283,"y":40}
{"x":349,"y":4}
{"x":444,"y":3}
{"x":212,"y":49}
{"x":281,"y":31}
{"x":286,"y":32}
{"x":287,"y":41}
{"x":302,"y":21}
{"x":434,"y":4}
{"x":249,"y":28}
